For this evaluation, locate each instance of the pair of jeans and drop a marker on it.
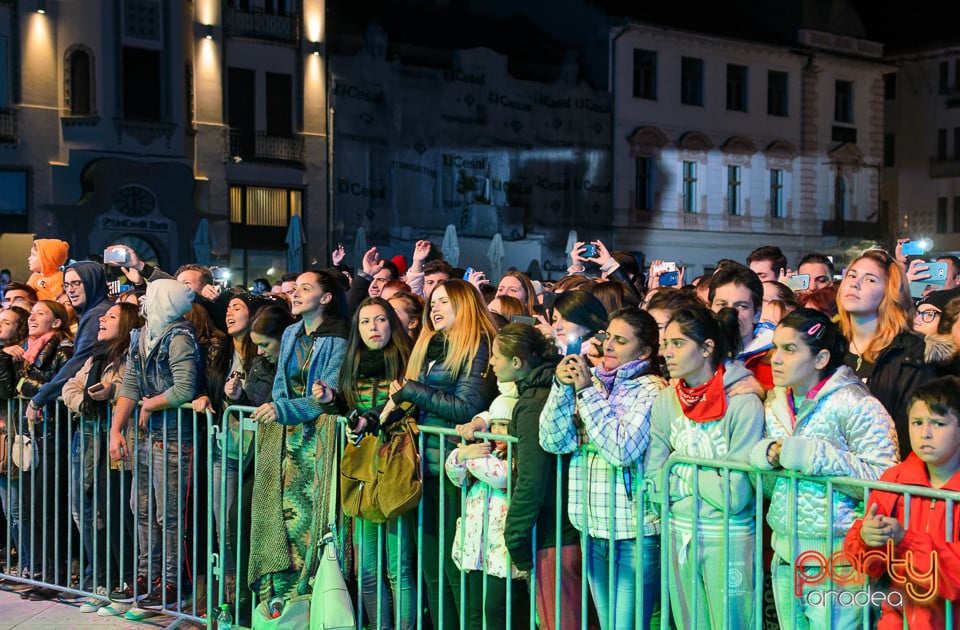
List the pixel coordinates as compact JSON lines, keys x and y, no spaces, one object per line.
{"x":397,"y":566}
{"x":113,"y":501}
{"x":86,"y":451}
{"x":616,"y":601}
{"x":19,"y":536}
{"x":818,"y":605}
{"x":224,"y":506}
{"x":163,"y":483}
{"x":43,"y":511}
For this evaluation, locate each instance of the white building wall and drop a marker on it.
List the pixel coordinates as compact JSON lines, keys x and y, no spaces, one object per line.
{"x":808,"y":198}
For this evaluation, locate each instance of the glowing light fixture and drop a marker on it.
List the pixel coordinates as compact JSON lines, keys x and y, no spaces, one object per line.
{"x":41,"y":7}
{"x":315,"y":48}
{"x":208,"y":31}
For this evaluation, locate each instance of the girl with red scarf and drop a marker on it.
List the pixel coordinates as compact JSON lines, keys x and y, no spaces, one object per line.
{"x":698,"y":418}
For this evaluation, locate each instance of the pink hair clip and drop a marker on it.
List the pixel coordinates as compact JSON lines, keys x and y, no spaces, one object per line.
{"x":816,"y":328}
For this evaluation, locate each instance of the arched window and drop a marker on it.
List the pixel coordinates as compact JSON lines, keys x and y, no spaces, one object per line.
{"x":78,"y":90}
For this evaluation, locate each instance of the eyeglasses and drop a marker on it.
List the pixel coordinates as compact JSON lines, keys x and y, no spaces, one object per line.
{"x":927,"y":316}
{"x":72,"y":284}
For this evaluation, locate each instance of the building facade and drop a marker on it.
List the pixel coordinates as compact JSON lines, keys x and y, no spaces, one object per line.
{"x":184,"y":129}
{"x":922,"y":145}
{"x":721,"y":145}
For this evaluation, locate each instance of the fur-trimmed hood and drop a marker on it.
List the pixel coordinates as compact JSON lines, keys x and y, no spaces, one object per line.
{"x":939,"y":349}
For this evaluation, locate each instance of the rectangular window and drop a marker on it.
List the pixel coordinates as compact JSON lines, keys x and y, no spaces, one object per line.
{"x":733,"y":190}
{"x":689,"y":186}
{"x":941,"y":215}
{"x":956,"y":215}
{"x":141,"y":84}
{"x":645,"y":172}
{"x":737,"y":94}
{"x":890,"y":86}
{"x":941,"y":144}
{"x":889,"y":149}
{"x":262,"y":206}
{"x":279,"y":105}
{"x":944,"y":76}
{"x":777,"y":93}
{"x":14,"y":196}
{"x":776,"y":193}
{"x":691,"y":81}
{"x":843,"y":102}
{"x":644,"y":74}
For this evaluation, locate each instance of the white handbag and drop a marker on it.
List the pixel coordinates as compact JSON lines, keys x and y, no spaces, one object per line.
{"x":22,"y":453}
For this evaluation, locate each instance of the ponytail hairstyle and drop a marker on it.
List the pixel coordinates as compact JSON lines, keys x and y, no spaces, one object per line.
{"x":527,"y":343}
{"x":59,"y":312}
{"x":818,"y":332}
{"x":645,"y":328}
{"x":700,"y":323}
{"x":329,"y":282}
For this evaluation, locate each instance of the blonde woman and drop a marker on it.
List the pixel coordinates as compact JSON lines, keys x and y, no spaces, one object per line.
{"x":449,"y":383}
{"x":874,"y":312}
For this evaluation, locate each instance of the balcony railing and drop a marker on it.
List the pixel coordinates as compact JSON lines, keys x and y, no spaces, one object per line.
{"x":256,"y":23}
{"x":258,"y":146}
{"x":8,"y":127}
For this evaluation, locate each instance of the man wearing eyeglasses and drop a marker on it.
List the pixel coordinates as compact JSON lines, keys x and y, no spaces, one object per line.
{"x":930,"y":310}
{"x":85,"y":284}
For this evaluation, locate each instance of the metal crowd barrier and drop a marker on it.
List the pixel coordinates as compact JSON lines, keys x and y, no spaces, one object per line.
{"x":211,"y":551}
{"x":73,"y":474}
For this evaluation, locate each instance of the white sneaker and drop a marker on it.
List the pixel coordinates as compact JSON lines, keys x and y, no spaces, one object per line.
{"x":139,"y":614}
{"x":93,"y":604}
{"x":113,"y":609}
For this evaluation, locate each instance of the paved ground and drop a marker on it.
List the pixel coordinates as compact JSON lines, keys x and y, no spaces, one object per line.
{"x":26,"y":615}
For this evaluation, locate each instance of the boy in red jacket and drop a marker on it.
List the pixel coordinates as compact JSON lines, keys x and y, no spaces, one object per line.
{"x":925,"y":568}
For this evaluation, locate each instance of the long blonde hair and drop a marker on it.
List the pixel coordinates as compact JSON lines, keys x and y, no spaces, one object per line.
{"x":896,"y":308}
{"x":470,"y":326}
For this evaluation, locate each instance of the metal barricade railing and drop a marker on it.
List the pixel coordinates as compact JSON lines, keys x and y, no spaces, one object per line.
{"x":46,"y":548}
{"x":112,"y":509}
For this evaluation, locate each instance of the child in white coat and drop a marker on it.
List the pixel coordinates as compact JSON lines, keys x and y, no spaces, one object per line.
{"x":478,"y":541}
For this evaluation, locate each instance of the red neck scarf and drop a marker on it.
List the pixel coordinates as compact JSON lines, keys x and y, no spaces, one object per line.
{"x":704,"y":403}
{"x":35,"y":345}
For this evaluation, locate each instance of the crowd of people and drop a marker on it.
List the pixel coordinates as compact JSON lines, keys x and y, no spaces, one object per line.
{"x":613,"y":368}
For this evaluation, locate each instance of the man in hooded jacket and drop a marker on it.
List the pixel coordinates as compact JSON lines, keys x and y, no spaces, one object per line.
{"x":86,"y":285}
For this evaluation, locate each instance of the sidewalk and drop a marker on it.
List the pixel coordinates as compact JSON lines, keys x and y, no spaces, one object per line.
{"x":27,"y":615}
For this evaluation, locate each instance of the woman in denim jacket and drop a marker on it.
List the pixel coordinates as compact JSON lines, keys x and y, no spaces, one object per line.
{"x":294,"y":433}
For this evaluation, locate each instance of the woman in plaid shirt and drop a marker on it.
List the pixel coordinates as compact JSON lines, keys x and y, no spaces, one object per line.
{"x":608,"y":407}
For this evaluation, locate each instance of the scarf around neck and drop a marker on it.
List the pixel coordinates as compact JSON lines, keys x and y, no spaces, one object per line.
{"x":437,"y":348}
{"x":630,"y":367}
{"x":703,"y":403}
{"x":372,"y":363}
{"x":35,"y":345}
